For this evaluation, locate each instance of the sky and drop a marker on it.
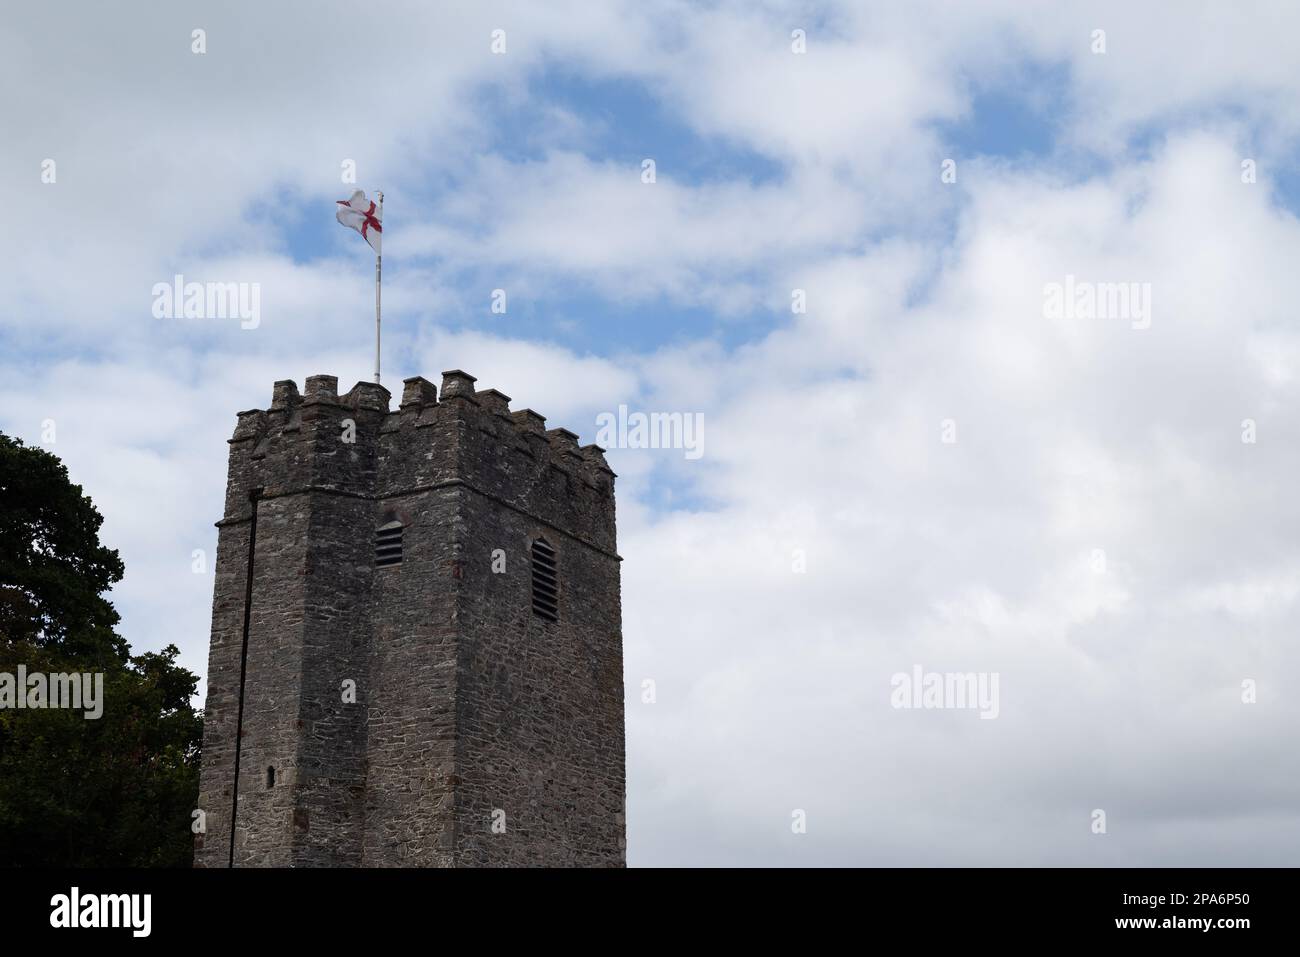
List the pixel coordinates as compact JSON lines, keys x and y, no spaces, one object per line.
{"x":843,"y":264}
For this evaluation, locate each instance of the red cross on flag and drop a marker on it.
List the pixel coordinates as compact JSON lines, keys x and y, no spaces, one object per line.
{"x":362,"y":215}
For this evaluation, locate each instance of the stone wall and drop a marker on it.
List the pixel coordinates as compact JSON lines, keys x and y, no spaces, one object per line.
{"x":539,"y":704}
{"x":466,"y":703}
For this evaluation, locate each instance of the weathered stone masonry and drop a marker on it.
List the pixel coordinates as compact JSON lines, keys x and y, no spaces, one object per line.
{"x":470,"y":709}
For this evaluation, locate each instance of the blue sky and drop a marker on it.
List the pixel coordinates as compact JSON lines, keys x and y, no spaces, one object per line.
{"x":830,"y":536}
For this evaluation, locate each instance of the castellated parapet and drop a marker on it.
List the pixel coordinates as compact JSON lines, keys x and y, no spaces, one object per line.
{"x":384,"y":686}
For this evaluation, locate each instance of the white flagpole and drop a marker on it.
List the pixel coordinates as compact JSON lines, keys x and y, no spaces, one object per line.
{"x":379,"y":258}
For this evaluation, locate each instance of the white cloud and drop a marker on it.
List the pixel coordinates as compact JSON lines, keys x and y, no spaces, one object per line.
{"x":1120,"y":688}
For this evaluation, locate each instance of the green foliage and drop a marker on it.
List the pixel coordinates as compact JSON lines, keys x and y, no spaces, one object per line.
{"x":53,"y":570}
{"x":118,"y":790}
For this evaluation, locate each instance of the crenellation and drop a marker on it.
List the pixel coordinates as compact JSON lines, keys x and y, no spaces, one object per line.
{"x":494,"y":400}
{"x":322,"y":388}
{"x":418,"y":392}
{"x":530,"y":420}
{"x":563,"y":439}
{"x":367,"y":395}
{"x":458,"y":385}
{"x":285,"y":395}
{"x":594,"y":456}
{"x":251,"y":425}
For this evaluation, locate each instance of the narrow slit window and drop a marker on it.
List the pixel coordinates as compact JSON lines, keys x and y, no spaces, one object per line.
{"x":270,"y":777}
{"x":546,"y":589}
{"x":388,"y":545}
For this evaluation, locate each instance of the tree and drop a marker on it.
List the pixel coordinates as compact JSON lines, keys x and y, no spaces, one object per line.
{"x":53,"y":570}
{"x":117,"y":790}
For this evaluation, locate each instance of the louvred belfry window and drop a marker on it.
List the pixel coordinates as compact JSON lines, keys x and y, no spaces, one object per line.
{"x":546,"y":587}
{"x":388,"y":545}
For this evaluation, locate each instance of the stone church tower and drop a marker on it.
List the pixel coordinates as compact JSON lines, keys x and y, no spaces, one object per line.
{"x":416,"y":653}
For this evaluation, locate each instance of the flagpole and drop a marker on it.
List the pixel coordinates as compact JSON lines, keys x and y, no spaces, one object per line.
{"x":379,"y":259}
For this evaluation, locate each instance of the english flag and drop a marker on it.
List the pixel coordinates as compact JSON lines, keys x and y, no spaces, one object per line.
{"x":361,"y":214}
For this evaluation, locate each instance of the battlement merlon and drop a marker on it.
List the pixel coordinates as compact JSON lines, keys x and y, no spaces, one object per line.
{"x":418,"y":393}
{"x":434,"y":436}
{"x":457,"y":385}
